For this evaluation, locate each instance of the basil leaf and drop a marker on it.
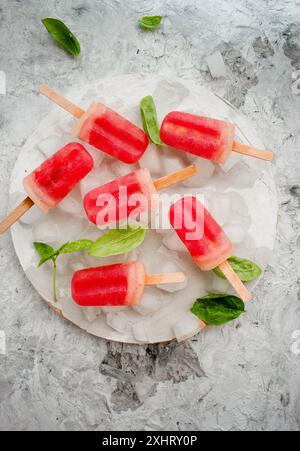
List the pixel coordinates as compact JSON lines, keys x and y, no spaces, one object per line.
{"x":149,"y":117}
{"x":218,"y":309}
{"x":150,"y":22}
{"x":62,"y":35}
{"x":75,"y":246}
{"x":45,"y":251}
{"x":118,"y":241}
{"x":244,"y":268}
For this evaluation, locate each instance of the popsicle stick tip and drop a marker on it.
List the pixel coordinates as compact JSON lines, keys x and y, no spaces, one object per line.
{"x":16,"y":214}
{"x":157,"y":279}
{"x":61,"y":101}
{"x":235,"y":281}
{"x":266,"y":155}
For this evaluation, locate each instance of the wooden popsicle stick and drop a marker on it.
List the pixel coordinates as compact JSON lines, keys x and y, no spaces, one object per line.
{"x":175,"y":177}
{"x":235,"y":281}
{"x":61,"y":101}
{"x":171,"y":277}
{"x":16,"y":214}
{"x":252,"y":152}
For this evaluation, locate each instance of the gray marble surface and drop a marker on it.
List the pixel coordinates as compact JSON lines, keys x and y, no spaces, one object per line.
{"x":244,"y":376}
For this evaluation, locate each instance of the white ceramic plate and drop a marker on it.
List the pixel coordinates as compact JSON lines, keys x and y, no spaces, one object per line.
{"x":241,"y":195}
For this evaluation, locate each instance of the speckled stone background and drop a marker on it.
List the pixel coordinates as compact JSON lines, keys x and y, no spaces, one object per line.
{"x":244,"y":376}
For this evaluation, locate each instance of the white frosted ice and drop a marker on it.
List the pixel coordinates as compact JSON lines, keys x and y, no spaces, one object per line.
{"x":231,"y":162}
{"x":70,"y":205}
{"x":172,"y":164}
{"x":216,"y":65}
{"x":77,"y":262}
{"x":121,"y":169}
{"x":152,"y":160}
{"x":111,"y":309}
{"x":220,"y":208}
{"x":118,"y":321}
{"x":235,"y":232}
{"x":97,"y":155}
{"x":90,"y":182}
{"x":50,"y":145}
{"x":140,"y":331}
{"x":205,"y":170}
{"x":173,"y":242}
{"x":243,"y":175}
{"x":186,"y":327}
{"x":33,"y":215}
{"x":219,"y":285}
{"x":91,"y":313}
{"x":46,"y":232}
{"x":149,"y":303}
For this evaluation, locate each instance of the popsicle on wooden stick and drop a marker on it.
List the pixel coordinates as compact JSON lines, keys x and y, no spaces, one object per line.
{"x":205,"y":240}
{"x":205,"y":137}
{"x":104,"y":129}
{"x":51,"y":182}
{"x":124,"y":193}
{"x":118,"y":284}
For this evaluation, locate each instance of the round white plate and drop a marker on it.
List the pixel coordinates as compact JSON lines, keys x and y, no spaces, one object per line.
{"x":241,"y":195}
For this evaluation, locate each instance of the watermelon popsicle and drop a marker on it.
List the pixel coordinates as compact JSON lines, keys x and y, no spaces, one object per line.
{"x":205,"y":240}
{"x":52,"y":181}
{"x":104,"y":129}
{"x":119,"y":198}
{"x":118,"y":284}
{"x":205,"y":137}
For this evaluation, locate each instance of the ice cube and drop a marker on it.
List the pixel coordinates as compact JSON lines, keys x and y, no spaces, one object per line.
{"x":76,"y":263}
{"x":172,"y":164}
{"x":205,"y":170}
{"x":238,"y":205}
{"x":220,"y":208}
{"x":118,"y":321}
{"x":140,"y":331}
{"x":149,"y":303}
{"x":91,"y":313}
{"x":33,"y":215}
{"x":216,"y":65}
{"x":231,"y":162}
{"x":121,"y":169}
{"x":71,"y":206}
{"x":171,"y":266}
{"x":89,"y":183}
{"x":152,"y":160}
{"x":97,"y":155}
{"x":174,"y":243}
{"x":45,"y":231}
{"x":242,"y":175}
{"x":235,"y":233}
{"x":113,"y":309}
{"x":187,"y":326}
{"x":50,"y":145}
{"x":219,"y":285}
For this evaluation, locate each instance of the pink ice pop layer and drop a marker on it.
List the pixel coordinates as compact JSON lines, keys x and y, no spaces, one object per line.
{"x":51,"y":182}
{"x":207,"y":138}
{"x":110,"y":132}
{"x":119,"y":284}
{"x":210,"y":246}
{"x":118,"y":199}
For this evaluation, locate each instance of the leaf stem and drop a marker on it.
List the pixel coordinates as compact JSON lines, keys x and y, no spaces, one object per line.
{"x":54,"y":279}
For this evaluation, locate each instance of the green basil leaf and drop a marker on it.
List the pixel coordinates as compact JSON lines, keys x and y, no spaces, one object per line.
{"x":244,"y":268}
{"x":45,"y":251}
{"x":149,"y":117}
{"x":150,"y":22}
{"x":75,"y":246}
{"x":218,"y":309}
{"x":118,"y":241}
{"x":62,"y":35}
